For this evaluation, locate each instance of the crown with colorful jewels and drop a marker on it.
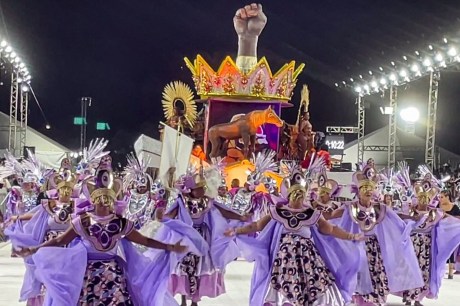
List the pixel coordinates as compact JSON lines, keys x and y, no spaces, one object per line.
{"x":231,"y":82}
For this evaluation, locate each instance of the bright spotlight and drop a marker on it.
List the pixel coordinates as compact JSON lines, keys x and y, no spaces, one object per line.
{"x":383,"y":81}
{"x":405,"y":58}
{"x":439,"y":57}
{"x":352,"y":80}
{"x":381,"y":68}
{"x":360,"y":76}
{"x":445,"y":40}
{"x":403,"y":73}
{"x":336,"y":85}
{"x":430,"y":47}
{"x":392,"y":63}
{"x":366,"y":87}
{"x":24,"y":88}
{"x":3,"y":43}
{"x":358,"y":89}
{"x":417,"y":53}
{"x":427,"y":62}
{"x":374,"y":84}
{"x":392,"y":77}
{"x":415,"y":68}
{"x":452,"y":51}
{"x":22,"y":65}
{"x":370,"y":72}
{"x":410,"y":114}
{"x":8,"y":49}
{"x":48,"y":126}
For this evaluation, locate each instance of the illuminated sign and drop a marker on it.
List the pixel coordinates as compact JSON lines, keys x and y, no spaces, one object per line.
{"x":336,"y":144}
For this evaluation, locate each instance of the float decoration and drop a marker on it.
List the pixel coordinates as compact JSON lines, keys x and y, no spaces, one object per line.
{"x":179,"y":116}
{"x":231,"y":82}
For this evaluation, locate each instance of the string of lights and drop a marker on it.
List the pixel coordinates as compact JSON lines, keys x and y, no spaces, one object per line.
{"x":9,"y":55}
{"x":407,"y":69}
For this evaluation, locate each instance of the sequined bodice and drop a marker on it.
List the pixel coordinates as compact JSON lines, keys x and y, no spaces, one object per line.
{"x":294,"y":219}
{"x":367,"y":217}
{"x":224,"y":200}
{"x":103,"y":232}
{"x":29,"y":200}
{"x":139,"y":208}
{"x":242,"y":202}
{"x":60,"y":212}
{"x":197,"y":207}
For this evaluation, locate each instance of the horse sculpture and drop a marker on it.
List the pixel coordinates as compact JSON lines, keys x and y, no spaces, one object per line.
{"x":244,"y":127}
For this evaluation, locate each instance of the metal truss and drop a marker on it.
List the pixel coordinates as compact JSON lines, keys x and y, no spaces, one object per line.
{"x":431,"y":120}
{"x":342,"y":129}
{"x":396,"y":148}
{"x":23,"y":120}
{"x":13,"y":127}
{"x":361,"y":118}
{"x":392,"y":127}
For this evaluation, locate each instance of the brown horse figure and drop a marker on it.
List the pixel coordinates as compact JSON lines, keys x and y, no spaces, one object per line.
{"x":244,"y":127}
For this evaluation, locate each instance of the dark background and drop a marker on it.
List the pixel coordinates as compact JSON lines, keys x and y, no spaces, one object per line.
{"x":122,"y":53}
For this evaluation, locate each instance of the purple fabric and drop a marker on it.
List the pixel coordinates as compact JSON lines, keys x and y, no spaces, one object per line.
{"x":61,"y":270}
{"x":171,"y":232}
{"x":398,"y":253}
{"x":147,"y":279}
{"x":264,"y":248}
{"x":445,"y":239}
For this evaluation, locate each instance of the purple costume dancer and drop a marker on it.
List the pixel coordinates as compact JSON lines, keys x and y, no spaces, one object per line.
{"x":435,"y":236}
{"x":201,"y":274}
{"x":48,"y":221}
{"x":295,"y":263}
{"x":92,"y":272}
{"x":138,"y":185}
{"x":386,"y":254}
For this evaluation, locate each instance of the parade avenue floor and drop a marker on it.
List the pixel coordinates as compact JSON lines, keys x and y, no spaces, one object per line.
{"x":238,"y":279}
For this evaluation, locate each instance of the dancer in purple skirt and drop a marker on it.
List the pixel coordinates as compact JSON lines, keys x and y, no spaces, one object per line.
{"x":296,"y":264}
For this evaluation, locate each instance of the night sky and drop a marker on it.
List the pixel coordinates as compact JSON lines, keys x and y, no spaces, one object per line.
{"x":123,"y":53}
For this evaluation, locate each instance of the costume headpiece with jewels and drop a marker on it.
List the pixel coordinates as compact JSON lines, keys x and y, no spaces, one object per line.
{"x":263,"y":162}
{"x":12,"y":167}
{"x":387,"y":181}
{"x":35,"y":171}
{"x":295,"y":177}
{"x":429,"y":184}
{"x":364,"y":178}
{"x":105,"y":184}
{"x":192,"y":179}
{"x":91,"y":157}
{"x":315,"y":168}
{"x":136,"y":173}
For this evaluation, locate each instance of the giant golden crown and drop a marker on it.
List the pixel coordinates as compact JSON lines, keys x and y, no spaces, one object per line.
{"x":229,"y":81}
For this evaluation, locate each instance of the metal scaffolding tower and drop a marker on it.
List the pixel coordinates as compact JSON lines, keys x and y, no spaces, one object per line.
{"x":361,"y":117}
{"x":431,"y":120}
{"x":392,"y":127}
{"x":13,"y":128}
{"x":24,"y":117}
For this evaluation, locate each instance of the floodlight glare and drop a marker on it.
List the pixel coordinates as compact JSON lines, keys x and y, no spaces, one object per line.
{"x":358,"y":89}
{"x":415,"y":68}
{"x":427,"y":62}
{"x":403,"y":73}
{"x":410,"y":114}
{"x":439,"y":57}
{"x":383,"y":81}
{"x":8,"y":49}
{"x":3,"y":43}
{"x":452,"y":51}
{"x":392,"y":77}
{"x":374,"y":84}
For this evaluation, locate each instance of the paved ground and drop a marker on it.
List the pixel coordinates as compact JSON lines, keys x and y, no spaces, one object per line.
{"x":237,"y":282}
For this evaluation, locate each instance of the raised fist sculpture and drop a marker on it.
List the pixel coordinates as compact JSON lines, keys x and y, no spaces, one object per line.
{"x":249,"y":22}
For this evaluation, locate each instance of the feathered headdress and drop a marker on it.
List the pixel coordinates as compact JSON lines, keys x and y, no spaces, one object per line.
{"x":12,"y":167}
{"x":316,"y":167}
{"x":92,"y":157}
{"x":136,"y":172}
{"x":386,"y":181}
{"x":365,"y":178}
{"x":192,"y":179}
{"x":428,"y":179}
{"x":263,"y":161}
{"x":35,"y":171}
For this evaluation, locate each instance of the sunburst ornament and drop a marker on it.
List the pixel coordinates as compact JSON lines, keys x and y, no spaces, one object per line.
{"x":179,"y":92}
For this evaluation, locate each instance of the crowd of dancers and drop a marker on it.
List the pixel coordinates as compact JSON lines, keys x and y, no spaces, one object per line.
{"x":89,"y":237}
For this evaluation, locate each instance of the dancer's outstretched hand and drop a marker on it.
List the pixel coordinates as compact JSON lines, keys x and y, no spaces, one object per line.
{"x":24,"y":252}
{"x":230,"y":232}
{"x":359,"y":237}
{"x":178,"y":248}
{"x":246,"y":218}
